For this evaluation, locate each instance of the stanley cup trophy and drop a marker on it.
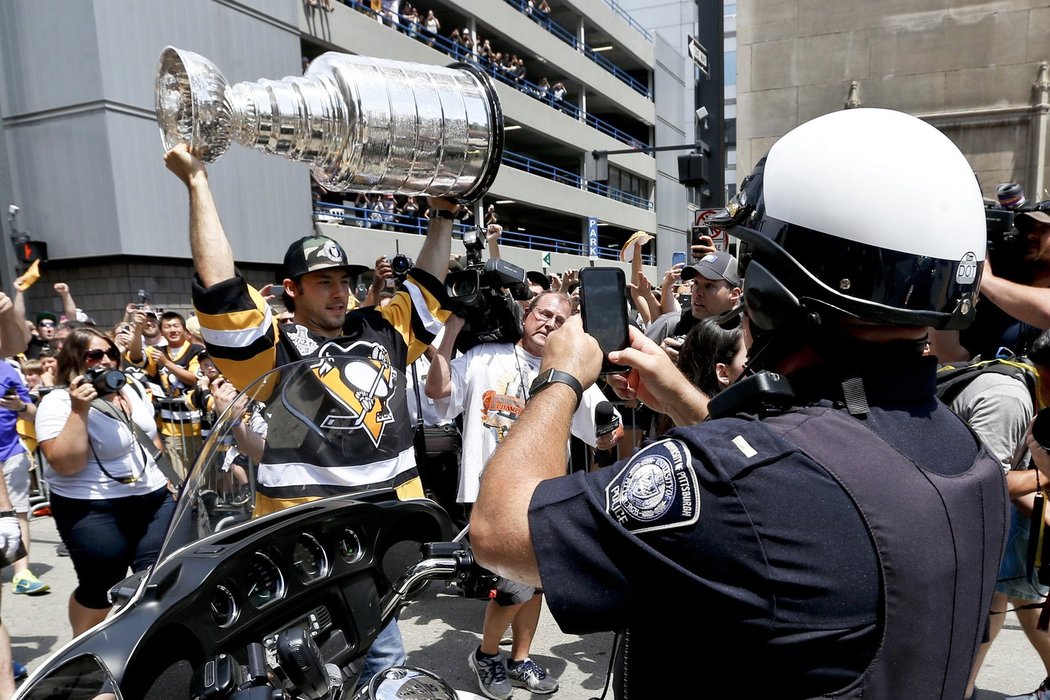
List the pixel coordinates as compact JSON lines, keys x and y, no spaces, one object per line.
{"x":364,"y":124}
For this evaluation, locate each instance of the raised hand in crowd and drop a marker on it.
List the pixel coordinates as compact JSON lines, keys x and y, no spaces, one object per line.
{"x":655,"y":381}
{"x":641,"y":291}
{"x":668,"y":299}
{"x":706,"y":245}
{"x":383,"y":271}
{"x":69,"y":307}
{"x":492,"y":234}
{"x":569,"y":278}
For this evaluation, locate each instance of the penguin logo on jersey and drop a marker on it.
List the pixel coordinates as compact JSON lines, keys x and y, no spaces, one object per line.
{"x":361,"y":385}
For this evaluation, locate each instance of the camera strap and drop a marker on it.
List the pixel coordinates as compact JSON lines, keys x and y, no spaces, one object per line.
{"x":160,"y":457}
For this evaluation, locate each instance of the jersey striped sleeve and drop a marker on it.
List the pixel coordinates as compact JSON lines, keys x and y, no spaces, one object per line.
{"x":418,"y":311}
{"x":238,"y":329}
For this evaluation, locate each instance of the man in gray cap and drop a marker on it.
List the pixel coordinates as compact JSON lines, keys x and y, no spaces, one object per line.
{"x":715,"y":286}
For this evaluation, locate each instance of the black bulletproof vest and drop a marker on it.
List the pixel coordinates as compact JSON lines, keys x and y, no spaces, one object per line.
{"x":938,"y":540}
{"x":927,"y":529}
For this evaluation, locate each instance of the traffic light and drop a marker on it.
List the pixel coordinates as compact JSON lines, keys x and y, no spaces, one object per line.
{"x":693,"y":168}
{"x":27,"y":252}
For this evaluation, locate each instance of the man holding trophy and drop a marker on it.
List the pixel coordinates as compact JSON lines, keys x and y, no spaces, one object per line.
{"x":353,"y":140}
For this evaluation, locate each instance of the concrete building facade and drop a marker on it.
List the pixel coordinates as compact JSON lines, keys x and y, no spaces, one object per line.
{"x":80,"y":153}
{"x":974,"y":69}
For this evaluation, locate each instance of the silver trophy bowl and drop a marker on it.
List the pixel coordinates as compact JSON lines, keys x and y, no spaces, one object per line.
{"x":364,"y":124}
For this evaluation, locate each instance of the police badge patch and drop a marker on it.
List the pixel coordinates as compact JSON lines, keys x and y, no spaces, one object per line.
{"x":656,"y":489}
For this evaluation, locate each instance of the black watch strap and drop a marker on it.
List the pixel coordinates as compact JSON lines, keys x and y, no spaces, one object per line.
{"x":8,"y":514}
{"x":554,"y":376}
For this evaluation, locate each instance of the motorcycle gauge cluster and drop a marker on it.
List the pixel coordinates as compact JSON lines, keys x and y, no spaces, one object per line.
{"x":223,"y":606}
{"x":265,"y":581}
{"x":310,"y":559}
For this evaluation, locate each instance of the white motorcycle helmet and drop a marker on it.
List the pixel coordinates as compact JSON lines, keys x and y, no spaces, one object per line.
{"x":869,"y":213}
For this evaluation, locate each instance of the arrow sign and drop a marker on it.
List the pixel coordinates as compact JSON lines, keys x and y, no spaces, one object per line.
{"x":545,"y":260}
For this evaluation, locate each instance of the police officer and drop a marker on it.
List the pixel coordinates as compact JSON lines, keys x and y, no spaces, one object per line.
{"x":837,"y":532}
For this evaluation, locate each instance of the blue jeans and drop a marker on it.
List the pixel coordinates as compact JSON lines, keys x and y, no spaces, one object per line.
{"x":387,"y":650}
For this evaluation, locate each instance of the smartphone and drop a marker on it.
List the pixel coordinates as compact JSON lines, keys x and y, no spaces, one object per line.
{"x":11,"y":392}
{"x":678,"y":258}
{"x":604,"y":309}
{"x":697,"y":233}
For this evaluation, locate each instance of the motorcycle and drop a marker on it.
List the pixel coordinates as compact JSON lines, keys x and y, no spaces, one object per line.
{"x":285,"y":605}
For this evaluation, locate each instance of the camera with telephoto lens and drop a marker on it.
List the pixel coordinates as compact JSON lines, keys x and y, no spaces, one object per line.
{"x":476,"y":295}
{"x":1007,"y":242}
{"x":105,"y":381}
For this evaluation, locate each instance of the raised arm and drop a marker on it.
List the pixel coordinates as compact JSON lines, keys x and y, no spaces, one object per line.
{"x":492,"y":234}
{"x":69,"y":307}
{"x":668,"y":300}
{"x":19,"y":301}
{"x":439,"y":378}
{"x":1028,"y":304}
{"x":212,"y":254}
{"x":13,"y":334}
{"x":382,"y":272}
{"x":436,"y":249}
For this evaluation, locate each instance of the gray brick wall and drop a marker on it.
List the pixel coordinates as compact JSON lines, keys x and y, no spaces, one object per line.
{"x":103,"y":289}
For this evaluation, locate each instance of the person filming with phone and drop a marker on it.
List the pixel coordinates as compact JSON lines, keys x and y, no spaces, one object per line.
{"x":110,"y":500}
{"x":489,"y":385}
{"x":825,"y":519}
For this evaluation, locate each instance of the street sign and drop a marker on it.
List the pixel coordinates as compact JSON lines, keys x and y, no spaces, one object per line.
{"x":698,"y":53}
{"x":702,"y":214}
{"x":545,"y":260}
{"x":719,"y":239}
{"x":592,"y":238}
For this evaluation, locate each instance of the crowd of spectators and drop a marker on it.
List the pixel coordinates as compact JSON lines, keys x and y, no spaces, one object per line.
{"x":464,"y":44}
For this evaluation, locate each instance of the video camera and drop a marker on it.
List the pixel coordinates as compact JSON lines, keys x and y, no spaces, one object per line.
{"x":1007,"y":244}
{"x":476,"y":295}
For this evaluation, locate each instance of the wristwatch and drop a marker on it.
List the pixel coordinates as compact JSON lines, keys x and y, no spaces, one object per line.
{"x":8,"y":514}
{"x":442,"y":214}
{"x":554,"y":376}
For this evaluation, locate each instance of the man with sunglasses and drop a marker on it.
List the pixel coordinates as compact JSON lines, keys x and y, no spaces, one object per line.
{"x":45,"y":333}
{"x":489,"y":385}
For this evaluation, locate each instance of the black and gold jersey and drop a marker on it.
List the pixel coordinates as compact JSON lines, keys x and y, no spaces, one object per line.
{"x":349,"y":429}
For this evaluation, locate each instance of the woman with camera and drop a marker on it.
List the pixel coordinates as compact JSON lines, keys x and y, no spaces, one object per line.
{"x":110,"y":501}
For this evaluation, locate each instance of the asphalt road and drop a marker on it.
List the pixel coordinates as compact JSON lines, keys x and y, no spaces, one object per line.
{"x":439,"y":631}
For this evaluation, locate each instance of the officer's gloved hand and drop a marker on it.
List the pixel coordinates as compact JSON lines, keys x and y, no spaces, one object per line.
{"x":10,"y":537}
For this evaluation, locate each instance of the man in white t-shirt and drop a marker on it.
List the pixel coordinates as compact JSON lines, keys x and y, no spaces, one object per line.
{"x":490,"y":384}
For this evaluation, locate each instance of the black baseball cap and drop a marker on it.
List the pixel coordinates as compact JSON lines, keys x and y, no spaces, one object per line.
{"x":46,"y":316}
{"x":537,"y":277}
{"x":714,"y":266}
{"x":314,"y":253}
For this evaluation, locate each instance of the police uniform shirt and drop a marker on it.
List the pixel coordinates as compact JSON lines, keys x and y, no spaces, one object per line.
{"x":728,"y":553}
{"x":245,"y":342}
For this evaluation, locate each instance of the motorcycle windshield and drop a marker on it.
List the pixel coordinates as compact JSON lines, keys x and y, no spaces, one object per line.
{"x":294,"y":435}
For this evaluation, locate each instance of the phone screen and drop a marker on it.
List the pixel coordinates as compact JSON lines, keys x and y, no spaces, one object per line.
{"x":604,"y":310}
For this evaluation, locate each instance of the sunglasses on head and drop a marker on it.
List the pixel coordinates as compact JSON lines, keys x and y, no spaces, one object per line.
{"x":97,"y":355}
{"x":47,"y":324}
